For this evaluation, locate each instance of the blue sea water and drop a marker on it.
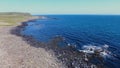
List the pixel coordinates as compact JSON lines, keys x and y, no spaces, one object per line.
{"x":80,"y":30}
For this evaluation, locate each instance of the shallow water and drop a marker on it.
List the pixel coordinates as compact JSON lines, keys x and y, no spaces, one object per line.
{"x":81,"y":30}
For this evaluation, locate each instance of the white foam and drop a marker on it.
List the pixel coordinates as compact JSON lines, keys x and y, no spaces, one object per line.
{"x":103,"y":53}
{"x":106,"y":46}
{"x":68,"y":44}
{"x":91,"y":49}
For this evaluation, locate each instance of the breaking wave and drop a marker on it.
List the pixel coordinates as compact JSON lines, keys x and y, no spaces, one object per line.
{"x":100,"y":50}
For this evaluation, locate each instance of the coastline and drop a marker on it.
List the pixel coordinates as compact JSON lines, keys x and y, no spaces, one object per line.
{"x":17,"y":53}
{"x":22,"y":51}
{"x":68,"y":57}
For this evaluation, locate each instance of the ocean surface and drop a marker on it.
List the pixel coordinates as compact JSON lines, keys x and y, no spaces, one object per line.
{"x":81,"y":31}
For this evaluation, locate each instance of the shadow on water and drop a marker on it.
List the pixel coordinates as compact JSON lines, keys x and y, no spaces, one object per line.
{"x":68,"y":55}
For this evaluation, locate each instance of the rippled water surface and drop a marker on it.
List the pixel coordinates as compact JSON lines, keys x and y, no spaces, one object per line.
{"x":81,"y":30}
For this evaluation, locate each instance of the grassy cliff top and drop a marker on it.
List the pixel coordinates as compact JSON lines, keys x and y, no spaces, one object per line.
{"x":12,"y":18}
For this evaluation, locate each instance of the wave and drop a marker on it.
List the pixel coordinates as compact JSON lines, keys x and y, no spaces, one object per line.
{"x":100,"y":50}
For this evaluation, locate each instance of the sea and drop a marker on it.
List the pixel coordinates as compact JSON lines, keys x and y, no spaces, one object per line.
{"x":86,"y":32}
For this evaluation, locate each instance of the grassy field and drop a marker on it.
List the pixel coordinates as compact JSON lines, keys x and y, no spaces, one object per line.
{"x":12,"y":18}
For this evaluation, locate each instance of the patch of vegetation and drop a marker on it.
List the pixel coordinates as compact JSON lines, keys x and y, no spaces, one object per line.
{"x":12,"y":18}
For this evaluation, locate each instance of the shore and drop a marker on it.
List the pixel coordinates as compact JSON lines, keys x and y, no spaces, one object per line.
{"x":17,"y":53}
{"x":67,"y":56}
{"x":21,"y":51}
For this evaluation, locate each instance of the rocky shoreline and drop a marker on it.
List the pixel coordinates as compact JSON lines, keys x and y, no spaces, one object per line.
{"x":69,"y":56}
{"x":16,"y":53}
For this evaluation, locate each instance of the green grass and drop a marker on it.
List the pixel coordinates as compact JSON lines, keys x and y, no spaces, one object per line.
{"x":13,"y":18}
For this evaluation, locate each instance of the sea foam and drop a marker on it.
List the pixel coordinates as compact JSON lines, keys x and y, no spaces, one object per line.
{"x":92,"y":49}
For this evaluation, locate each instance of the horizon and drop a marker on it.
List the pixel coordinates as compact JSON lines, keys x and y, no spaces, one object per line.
{"x":103,"y":7}
{"x":76,"y":14}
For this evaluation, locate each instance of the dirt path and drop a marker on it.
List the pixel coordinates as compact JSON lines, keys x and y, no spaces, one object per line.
{"x":16,"y":53}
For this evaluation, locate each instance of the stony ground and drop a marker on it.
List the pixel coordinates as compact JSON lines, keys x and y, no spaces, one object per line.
{"x":16,"y":53}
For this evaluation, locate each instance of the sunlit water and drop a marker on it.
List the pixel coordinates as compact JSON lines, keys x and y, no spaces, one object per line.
{"x":86,"y":32}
